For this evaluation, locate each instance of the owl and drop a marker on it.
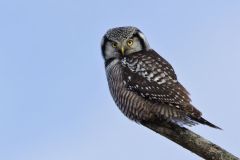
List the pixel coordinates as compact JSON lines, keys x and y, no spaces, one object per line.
{"x":143,"y":84}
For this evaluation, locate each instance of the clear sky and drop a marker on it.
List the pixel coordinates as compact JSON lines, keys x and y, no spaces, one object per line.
{"x":54,"y":98}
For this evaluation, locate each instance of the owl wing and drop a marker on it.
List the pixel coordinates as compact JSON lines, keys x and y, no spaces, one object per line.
{"x":152,"y":77}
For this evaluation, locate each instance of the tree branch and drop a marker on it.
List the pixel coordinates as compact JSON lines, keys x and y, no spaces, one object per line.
{"x":191,"y":141}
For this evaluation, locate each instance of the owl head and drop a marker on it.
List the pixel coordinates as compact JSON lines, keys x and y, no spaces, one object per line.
{"x":122,"y":41}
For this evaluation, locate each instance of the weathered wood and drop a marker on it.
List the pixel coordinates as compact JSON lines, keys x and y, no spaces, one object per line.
{"x":191,"y":141}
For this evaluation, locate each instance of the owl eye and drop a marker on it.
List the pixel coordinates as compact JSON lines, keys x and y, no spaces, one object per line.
{"x":114,"y":44}
{"x":130,"y":42}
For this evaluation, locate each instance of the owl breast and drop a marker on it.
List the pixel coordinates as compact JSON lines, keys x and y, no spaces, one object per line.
{"x":130,"y":103}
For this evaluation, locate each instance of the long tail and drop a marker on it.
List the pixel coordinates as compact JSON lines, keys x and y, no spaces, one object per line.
{"x":204,"y":121}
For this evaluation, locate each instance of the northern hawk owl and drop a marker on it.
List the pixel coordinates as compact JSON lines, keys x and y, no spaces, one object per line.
{"x":142,"y":83}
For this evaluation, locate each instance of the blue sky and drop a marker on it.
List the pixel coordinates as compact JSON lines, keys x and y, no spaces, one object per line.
{"x":54,"y":98}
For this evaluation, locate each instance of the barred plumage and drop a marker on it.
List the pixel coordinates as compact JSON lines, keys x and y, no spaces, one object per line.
{"x":128,"y":102}
{"x":142,"y":83}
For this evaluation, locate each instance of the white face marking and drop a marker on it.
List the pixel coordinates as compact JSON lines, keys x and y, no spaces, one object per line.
{"x":110,"y":52}
{"x":145,"y":40}
{"x":135,"y":47}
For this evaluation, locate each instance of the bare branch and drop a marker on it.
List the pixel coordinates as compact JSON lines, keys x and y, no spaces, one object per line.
{"x":191,"y":141}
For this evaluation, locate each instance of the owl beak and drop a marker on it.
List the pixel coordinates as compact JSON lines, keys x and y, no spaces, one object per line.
{"x":122,"y":50}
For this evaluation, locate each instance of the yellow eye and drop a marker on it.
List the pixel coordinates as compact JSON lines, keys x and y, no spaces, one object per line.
{"x":114,"y":44}
{"x":130,"y":42}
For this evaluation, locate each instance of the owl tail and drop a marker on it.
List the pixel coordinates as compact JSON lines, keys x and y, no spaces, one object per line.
{"x":204,"y":121}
